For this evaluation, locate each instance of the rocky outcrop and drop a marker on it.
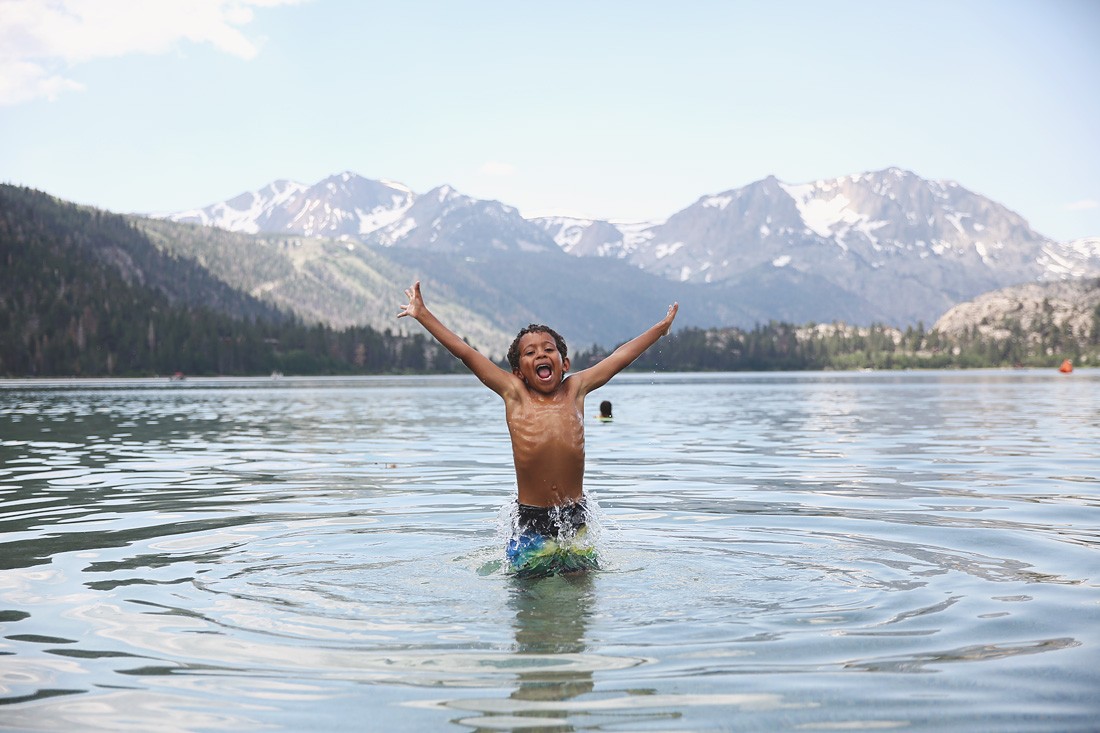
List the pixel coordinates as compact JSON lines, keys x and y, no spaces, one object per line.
{"x":1070,"y":306}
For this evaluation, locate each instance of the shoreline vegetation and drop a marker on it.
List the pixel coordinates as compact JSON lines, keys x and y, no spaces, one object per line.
{"x":83,"y":293}
{"x":200,"y":344}
{"x":840,"y":347}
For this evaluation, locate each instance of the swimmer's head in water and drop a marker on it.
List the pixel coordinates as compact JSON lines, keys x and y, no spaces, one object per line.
{"x":513,"y":350}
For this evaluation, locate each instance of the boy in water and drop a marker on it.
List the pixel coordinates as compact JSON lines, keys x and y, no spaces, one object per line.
{"x":545,"y":414}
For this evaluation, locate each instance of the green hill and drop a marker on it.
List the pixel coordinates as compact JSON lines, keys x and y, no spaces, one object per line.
{"x":86,"y":293}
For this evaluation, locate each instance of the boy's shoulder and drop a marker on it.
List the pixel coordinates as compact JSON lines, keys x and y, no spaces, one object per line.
{"x":568,"y":387}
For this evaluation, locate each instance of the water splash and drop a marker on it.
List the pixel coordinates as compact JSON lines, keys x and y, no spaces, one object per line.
{"x":586,"y":541}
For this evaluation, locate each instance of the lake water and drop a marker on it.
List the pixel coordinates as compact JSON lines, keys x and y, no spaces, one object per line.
{"x":803,"y":552}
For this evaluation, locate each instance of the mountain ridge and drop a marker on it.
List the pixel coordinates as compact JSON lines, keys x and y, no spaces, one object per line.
{"x":906,"y":247}
{"x":877,"y":247}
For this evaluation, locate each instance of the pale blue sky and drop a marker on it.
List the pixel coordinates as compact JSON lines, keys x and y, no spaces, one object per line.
{"x":609,"y":109}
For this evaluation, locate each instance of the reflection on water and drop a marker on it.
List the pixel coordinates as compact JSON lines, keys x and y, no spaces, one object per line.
{"x":781,"y":552}
{"x":551,"y":619}
{"x":549,"y":660}
{"x":555,"y":672}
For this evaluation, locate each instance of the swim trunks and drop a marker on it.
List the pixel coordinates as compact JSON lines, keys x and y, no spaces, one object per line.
{"x":551,"y":541}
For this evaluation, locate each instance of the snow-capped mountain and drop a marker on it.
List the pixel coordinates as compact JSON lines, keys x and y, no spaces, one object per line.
{"x":350,"y":207}
{"x":444,"y":220}
{"x":343,"y":206}
{"x":595,"y":238}
{"x":886,"y":245}
{"x":1076,"y":258}
{"x":889,"y":219}
{"x":910,"y":246}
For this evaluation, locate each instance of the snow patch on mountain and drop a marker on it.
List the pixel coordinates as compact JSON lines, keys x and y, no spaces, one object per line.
{"x":635,"y":235}
{"x":241,"y":213}
{"x":596,"y":238}
{"x":829,"y":213}
{"x":1077,"y":258}
{"x":566,"y":231}
{"x":665,"y":250}
{"x":820,"y":214}
{"x":717,"y":202}
{"x":374,"y":219}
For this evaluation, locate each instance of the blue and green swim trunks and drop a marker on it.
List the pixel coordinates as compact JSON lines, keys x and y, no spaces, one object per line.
{"x":551,"y":541}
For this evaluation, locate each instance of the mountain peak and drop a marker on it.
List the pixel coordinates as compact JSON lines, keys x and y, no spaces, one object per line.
{"x":443,"y":193}
{"x":903,"y":246}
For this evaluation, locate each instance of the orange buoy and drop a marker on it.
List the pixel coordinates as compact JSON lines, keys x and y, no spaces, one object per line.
{"x":1067,"y":367}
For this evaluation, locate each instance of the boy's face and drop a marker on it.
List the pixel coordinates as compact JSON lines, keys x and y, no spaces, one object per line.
{"x":541,"y":365}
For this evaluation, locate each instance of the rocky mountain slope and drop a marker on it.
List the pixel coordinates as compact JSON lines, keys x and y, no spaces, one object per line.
{"x":908,"y":246}
{"x":883,"y":246}
{"x":485,"y":297}
{"x":1070,"y":306}
{"x":344,"y":206}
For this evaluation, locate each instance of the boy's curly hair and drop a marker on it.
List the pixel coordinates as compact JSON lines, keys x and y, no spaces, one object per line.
{"x":513,"y":350}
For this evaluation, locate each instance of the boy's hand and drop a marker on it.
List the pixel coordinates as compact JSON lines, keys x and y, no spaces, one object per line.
{"x":669,"y":318}
{"x":416,"y":302}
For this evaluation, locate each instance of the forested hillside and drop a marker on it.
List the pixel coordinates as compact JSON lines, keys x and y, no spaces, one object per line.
{"x":83,"y":292}
{"x":995,"y":341}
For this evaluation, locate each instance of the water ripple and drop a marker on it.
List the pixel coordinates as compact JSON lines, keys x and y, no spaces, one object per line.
{"x":802,"y":552}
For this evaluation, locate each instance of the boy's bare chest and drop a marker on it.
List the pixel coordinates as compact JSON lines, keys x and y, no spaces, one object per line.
{"x":542,"y":421}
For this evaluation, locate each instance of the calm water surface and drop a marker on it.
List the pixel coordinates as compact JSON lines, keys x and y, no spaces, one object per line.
{"x":805,"y":552}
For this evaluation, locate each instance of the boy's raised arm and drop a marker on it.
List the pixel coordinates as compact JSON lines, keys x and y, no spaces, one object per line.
{"x":599,"y":374}
{"x":483,"y":368}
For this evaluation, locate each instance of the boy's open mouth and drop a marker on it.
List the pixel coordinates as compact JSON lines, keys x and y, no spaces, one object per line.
{"x":543,"y":371}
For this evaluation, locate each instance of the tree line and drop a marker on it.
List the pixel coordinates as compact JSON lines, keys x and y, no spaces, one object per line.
{"x":785,"y":347}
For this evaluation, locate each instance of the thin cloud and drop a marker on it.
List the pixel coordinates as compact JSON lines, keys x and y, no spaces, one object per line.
{"x":40,"y":40}
{"x":22,"y":81}
{"x":1084,"y":205}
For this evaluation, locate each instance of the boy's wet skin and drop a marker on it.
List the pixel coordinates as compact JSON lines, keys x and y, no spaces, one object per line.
{"x":543,"y":403}
{"x":547,"y":428}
